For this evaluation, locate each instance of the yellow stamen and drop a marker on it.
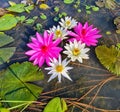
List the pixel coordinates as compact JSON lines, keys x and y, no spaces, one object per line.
{"x":59,"y":68}
{"x":58,"y":33}
{"x":76,"y":51}
{"x":68,"y":23}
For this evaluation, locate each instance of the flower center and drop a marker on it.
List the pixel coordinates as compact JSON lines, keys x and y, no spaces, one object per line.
{"x":59,"y":68}
{"x":76,"y":51}
{"x":44,"y":49}
{"x":68,"y":23}
{"x":58,"y":33}
{"x":83,"y":32}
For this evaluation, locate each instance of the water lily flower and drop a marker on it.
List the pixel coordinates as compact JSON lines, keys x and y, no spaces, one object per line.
{"x":59,"y":32}
{"x":68,"y":22}
{"x":76,"y":51}
{"x":86,"y":34}
{"x":58,"y":68}
{"x":43,"y":48}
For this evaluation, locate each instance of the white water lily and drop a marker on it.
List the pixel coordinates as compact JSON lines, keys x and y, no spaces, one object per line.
{"x":59,"y":32}
{"x":58,"y":68}
{"x":76,"y":51}
{"x":68,"y":22}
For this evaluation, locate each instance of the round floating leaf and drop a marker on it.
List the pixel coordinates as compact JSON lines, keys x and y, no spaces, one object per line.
{"x":6,"y":53}
{"x":5,"y":39}
{"x":109,"y":57}
{"x":15,"y":83}
{"x":7,"y":22}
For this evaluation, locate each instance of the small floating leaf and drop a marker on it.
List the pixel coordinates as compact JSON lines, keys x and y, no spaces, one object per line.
{"x":56,"y":9}
{"x":13,"y":89}
{"x":30,"y":21}
{"x":43,"y":16}
{"x":94,"y":8}
{"x":19,"y":8}
{"x":68,"y":1}
{"x":109,"y":57}
{"x":88,"y":12}
{"x":29,"y":8}
{"x":44,"y":6}
{"x":5,"y":39}
{"x":7,"y":22}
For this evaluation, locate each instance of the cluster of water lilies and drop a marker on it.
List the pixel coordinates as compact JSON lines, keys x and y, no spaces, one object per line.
{"x":47,"y":48}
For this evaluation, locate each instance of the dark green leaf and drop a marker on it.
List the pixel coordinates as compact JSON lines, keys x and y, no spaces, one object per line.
{"x":7,"y":22}
{"x":5,"y":39}
{"x":109,"y":57}
{"x":15,"y":84}
{"x":6,"y":53}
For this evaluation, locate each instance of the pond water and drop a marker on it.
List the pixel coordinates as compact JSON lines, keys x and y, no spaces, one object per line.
{"x":85,"y":76}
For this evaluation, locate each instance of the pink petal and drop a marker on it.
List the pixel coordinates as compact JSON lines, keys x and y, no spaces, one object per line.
{"x":39,"y":37}
{"x":46,"y":37}
{"x":56,"y":42}
{"x":30,"y":52}
{"x":85,"y":25}
{"x":73,"y":34}
{"x":41,"y":61}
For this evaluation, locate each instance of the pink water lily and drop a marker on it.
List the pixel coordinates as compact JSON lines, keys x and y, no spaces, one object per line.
{"x":43,"y":48}
{"x":86,"y":34}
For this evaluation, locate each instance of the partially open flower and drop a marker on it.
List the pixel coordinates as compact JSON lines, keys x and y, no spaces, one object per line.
{"x":76,"y":51}
{"x":86,"y":34}
{"x":43,"y":48}
{"x":68,"y":22}
{"x":59,"y":32}
{"x":58,"y":68}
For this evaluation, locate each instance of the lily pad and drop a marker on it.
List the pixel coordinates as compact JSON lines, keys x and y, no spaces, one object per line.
{"x":109,"y":57}
{"x":5,"y":39}
{"x":56,"y":105}
{"x":6,"y":53}
{"x":7,"y":22}
{"x":19,"y":8}
{"x":15,"y":83}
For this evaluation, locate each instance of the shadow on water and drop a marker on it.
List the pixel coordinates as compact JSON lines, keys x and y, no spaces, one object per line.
{"x":86,"y":75}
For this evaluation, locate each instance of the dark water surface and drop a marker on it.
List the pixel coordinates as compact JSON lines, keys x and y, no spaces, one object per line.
{"x":91,"y":72}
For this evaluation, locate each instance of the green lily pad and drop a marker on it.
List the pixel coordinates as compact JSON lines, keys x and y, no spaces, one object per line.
{"x":56,"y":105}
{"x":6,"y":53}
{"x":15,"y":83}
{"x":109,"y":57}
{"x":5,"y":39}
{"x":19,"y":8}
{"x":7,"y":22}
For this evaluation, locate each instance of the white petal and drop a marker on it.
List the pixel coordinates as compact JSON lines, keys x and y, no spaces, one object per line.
{"x":66,"y":76}
{"x":52,"y":77}
{"x":59,"y":78}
